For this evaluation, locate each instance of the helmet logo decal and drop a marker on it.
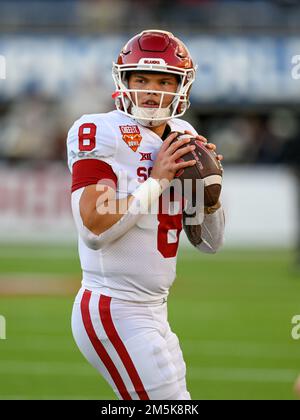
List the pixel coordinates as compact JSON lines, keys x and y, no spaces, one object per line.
{"x":152,"y":61}
{"x":131,"y":135}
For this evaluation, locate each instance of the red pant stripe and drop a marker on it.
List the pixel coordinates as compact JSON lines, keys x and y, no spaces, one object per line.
{"x":99,"y":348}
{"x":112,"y":334}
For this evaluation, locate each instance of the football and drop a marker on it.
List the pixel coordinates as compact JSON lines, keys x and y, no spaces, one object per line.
{"x":208,"y":168}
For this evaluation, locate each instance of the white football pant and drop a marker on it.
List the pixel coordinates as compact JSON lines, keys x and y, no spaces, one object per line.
{"x":131,"y":345}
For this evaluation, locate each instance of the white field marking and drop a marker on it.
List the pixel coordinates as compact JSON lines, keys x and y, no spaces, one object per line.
{"x":241,"y":349}
{"x":233,"y":374}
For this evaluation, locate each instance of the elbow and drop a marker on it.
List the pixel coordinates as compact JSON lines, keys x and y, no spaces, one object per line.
{"x":93,"y":244}
{"x":91,"y":224}
{"x":85,"y":224}
{"x":92,"y":235}
{"x":91,"y":239}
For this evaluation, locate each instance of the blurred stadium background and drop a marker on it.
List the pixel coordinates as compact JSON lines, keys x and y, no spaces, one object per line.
{"x":233,"y":311}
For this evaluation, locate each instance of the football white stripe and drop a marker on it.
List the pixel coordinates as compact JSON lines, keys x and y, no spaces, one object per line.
{"x":212,"y":179}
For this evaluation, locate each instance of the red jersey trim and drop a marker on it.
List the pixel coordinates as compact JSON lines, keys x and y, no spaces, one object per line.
{"x":89,"y":171}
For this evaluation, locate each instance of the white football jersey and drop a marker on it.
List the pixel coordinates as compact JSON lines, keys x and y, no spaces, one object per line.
{"x":141,"y":264}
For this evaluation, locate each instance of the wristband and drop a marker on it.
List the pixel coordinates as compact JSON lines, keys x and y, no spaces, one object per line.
{"x":145,"y":195}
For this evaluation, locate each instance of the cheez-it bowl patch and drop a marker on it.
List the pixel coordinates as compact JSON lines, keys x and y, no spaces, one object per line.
{"x":131,"y":135}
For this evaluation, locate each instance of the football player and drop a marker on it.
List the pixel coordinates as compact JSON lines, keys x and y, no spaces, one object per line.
{"x":127,"y":253}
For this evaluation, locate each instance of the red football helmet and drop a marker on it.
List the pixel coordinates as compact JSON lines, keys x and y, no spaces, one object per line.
{"x":153,"y":51}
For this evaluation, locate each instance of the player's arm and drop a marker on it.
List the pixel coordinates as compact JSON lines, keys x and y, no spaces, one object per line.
{"x":100,"y":210}
{"x":208,"y":236}
{"x":102,"y":218}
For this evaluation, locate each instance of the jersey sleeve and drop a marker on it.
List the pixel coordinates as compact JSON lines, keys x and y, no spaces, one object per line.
{"x":90,"y":171}
{"x":91,"y":152}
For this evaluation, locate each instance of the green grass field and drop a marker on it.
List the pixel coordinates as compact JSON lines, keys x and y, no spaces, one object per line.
{"x":231,"y":311}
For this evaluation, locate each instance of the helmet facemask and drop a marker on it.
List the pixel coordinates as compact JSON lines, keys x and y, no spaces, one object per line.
{"x":127,"y":99}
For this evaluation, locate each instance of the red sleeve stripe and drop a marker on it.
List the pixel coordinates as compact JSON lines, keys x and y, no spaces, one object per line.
{"x":89,"y":171}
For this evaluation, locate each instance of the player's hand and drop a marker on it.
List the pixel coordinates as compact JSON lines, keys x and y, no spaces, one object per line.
{"x":166,"y":164}
{"x":210,"y":146}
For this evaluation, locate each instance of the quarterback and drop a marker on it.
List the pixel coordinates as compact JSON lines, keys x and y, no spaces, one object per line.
{"x":122,"y":162}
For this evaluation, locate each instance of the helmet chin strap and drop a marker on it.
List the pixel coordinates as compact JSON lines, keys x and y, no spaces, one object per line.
{"x":150,"y":117}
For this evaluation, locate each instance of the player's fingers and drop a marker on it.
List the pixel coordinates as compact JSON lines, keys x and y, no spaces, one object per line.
{"x":168,"y":141}
{"x":211,"y":146}
{"x":202,"y":138}
{"x":176,"y":144}
{"x":188,"y":132}
{"x":220,"y":157}
{"x":184,"y":164}
{"x":198,"y":136}
{"x":183,"y":151}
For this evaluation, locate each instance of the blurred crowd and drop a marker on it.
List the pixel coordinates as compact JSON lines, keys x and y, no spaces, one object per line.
{"x":34,"y":128}
{"x":254,"y":137}
{"x":128,"y":15}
